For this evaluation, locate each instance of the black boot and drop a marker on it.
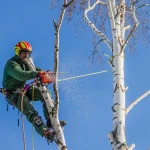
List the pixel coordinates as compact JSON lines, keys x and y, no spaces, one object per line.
{"x":49,"y":125}
{"x":50,"y":135}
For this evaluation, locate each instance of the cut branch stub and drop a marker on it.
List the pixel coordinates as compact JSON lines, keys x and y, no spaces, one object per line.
{"x":55,"y":24}
{"x":69,"y":3}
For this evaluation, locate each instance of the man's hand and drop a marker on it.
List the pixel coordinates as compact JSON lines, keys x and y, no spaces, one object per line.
{"x":46,"y":77}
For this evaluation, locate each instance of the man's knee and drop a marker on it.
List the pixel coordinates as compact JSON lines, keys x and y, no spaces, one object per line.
{"x":24,"y":106}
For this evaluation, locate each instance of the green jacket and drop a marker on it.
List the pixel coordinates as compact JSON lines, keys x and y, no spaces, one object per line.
{"x":16,"y":73}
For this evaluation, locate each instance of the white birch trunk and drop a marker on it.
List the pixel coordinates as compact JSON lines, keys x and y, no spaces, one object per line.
{"x":117,"y":25}
{"x":53,"y":113}
{"x":117,"y":19}
{"x":118,"y":86}
{"x":119,"y":98}
{"x":60,"y":137}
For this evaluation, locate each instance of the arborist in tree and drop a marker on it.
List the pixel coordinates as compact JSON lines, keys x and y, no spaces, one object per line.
{"x":16,"y":73}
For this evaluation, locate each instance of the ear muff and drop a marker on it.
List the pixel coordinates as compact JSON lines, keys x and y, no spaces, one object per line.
{"x":17,"y":51}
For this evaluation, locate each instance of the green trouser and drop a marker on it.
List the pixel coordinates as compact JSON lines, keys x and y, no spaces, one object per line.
{"x":28,"y":109}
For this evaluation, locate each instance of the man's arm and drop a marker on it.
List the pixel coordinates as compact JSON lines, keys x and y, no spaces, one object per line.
{"x":15,"y":71}
{"x":38,"y":69}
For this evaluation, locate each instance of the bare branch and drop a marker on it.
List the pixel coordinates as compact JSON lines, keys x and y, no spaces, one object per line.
{"x":110,"y":64}
{"x":95,"y":47}
{"x":93,"y":27}
{"x":122,"y":22}
{"x":69,"y":3}
{"x":113,"y":6}
{"x":89,"y":3}
{"x":129,"y":36}
{"x":111,"y":13}
{"x":95,"y":51}
{"x":136,"y":101}
{"x":62,"y":14}
{"x":148,"y":4}
{"x":132,"y":31}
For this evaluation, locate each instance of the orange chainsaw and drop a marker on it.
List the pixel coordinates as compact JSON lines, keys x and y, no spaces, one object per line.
{"x":46,"y":77}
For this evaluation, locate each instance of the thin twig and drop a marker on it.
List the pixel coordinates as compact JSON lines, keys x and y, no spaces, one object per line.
{"x":148,"y":4}
{"x":132,"y":30}
{"x":94,"y":51}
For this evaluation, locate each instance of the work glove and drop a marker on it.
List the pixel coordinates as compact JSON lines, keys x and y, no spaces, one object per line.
{"x":46,"y":77}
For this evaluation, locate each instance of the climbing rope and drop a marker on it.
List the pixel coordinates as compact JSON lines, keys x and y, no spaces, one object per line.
{"x":32,"y":124}
{"x":23,"y":133}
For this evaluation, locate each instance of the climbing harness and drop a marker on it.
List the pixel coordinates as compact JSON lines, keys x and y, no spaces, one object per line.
{"x":23,"y":91}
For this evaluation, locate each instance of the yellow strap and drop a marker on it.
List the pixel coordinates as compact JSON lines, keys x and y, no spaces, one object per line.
{"x":3,"y":91}
{"x":32,"y":124}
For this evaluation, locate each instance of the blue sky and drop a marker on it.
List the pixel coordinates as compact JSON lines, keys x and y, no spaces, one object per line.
{"x":85,"y":103}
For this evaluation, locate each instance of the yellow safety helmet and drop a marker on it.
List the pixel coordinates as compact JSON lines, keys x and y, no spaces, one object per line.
{"x":22,"y":47}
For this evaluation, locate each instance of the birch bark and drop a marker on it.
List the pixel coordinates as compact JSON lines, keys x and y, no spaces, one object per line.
{"x":118,"y":80}
{"x":60,"y":136}
{"x":53,"y":114}
{"x":117,"y":22}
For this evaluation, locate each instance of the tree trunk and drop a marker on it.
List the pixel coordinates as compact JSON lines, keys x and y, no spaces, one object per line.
{"x":119,"y":98}
{"x":53,"y":113}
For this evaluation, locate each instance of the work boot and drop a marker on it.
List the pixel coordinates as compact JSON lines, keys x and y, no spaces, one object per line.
{"x":50,"y":135}
{"x":49,"y":125}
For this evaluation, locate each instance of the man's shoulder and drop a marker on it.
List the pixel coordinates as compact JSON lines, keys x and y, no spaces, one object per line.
{"x":11,"y":60}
